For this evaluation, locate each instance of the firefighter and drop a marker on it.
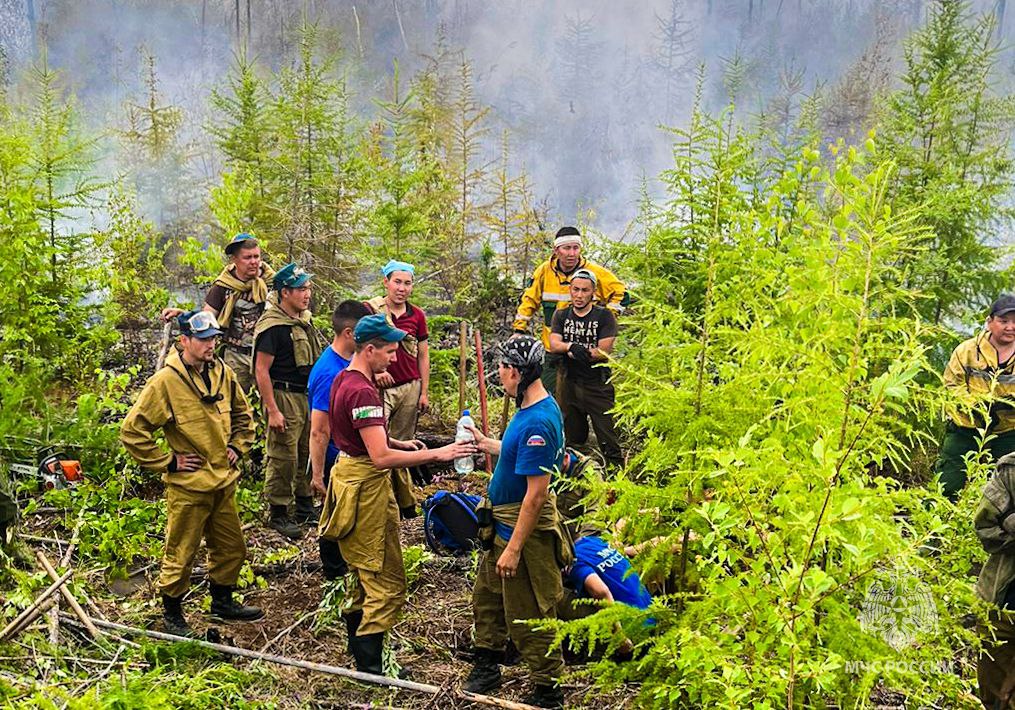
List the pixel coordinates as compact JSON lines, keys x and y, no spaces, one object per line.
{"x":981,"y":376}
{"x":549,"y":290}
{"x":198,"y":404}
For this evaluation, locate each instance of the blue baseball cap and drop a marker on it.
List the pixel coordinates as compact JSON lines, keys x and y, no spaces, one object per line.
{"x":376,"y":326}
{"x":243,"y":240}
{"x":291,"y":276}
{"x":198,"y":324}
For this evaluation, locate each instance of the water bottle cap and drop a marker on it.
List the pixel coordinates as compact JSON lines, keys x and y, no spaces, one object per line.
{"x":465,"y":413}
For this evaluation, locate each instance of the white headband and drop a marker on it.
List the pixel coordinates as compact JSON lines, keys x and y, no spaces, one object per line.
{"x":567,"y":239}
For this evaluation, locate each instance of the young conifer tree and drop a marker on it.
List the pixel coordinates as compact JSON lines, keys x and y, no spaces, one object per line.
{"x":768,"y":375}
{"x":948,"y":129}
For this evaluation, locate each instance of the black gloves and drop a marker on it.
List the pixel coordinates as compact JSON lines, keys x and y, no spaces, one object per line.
{"x":580,"y":353}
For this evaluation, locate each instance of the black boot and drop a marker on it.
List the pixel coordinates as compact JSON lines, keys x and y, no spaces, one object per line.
{"x":545,"y":696}
{"x":485,"y":673}
{"x":225,"y":607}
{"x":306,"y":512}
{"x":173,"y":619}
{"x":279,"y":520}
{"x":369,"y":652}
{"x":408,"y":512}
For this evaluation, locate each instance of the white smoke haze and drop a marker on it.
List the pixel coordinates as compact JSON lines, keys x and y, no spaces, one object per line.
{"x":583,"y":86}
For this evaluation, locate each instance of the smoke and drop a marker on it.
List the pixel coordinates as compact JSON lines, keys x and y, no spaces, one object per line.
{"x":583,"y":86}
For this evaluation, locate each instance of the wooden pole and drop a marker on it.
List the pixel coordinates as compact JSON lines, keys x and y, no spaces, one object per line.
{"x":68,"y":597}
{"x":482,"y":394}
{"x":167,"y":331}
{"x":504,"y":415}
{"x":36,"y":608}
{"x":461,"y":367}
{"x":109,"y":626}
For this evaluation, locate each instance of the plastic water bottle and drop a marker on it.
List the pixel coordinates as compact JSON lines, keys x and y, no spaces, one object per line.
{"x":465,"y":464}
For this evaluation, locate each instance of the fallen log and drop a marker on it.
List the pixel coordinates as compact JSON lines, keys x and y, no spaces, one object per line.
{"x":108,"y":626}
{"x":36,"y":607}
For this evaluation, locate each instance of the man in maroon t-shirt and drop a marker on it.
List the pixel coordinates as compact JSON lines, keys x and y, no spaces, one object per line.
{"x":407,"y":380}
{"x":360,"y":511}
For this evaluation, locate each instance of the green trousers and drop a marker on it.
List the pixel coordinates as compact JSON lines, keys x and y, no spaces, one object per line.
{"x":584,"y":401}
{"x":950,"y":468}
{"x":995,"y":666}
{"x":191,"y":516}
{"x":286,"y":472}
{"x":551,"y":366}
{"x":500,"y":606}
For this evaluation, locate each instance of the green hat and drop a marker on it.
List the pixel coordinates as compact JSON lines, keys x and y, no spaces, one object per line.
{"x":291,"y":276}
{"x":376,"y":326}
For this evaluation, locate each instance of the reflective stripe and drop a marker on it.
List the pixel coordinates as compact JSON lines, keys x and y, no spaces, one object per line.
{"x":615,"y":306}
{"x":556,"y":296}
{"x":1001,"y":378}
{"x":519,"y":316}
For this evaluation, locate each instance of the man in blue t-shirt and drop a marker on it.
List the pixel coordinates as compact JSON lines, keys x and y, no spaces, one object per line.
{"x":323,"y":452}
{"x":600,"y":572}
{"x":519,"y":577}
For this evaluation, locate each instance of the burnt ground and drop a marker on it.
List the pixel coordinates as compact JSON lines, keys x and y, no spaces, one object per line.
{"x":432,"y":640}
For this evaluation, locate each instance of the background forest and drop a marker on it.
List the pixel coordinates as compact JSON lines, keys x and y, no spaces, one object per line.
{"x":810,"y":200}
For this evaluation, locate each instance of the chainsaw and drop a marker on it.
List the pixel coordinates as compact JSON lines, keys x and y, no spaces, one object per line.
{"x":49,"y":465}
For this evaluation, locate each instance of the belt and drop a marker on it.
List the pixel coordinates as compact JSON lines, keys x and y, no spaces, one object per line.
{"x":238,"y":349}
{"x":288,"y":387}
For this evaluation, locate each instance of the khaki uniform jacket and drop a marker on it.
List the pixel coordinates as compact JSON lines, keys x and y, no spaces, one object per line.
{"x":995,"y":526}
{"x":550,"y":289}
{"x":974,"y":377}
{"x":307,"y":343}
{"x":171,"y":401}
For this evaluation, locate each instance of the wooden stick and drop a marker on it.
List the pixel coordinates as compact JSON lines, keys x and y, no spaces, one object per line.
{"x":461,"y":367}
{"x":39,"y":538}
{"x":92,"y":606}
{"x":74,"y":537}
{"x":35,"y":609}
{"x":482,"y":394}
{"x":504,"y":415}
{"x":78,"y":611}
{"x":167,"y":331}
{"x":308,"y":665}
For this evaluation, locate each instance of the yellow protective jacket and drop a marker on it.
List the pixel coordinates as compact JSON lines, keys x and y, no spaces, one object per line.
{"x":550,"y":289}
{"x":171,"y":401}
{"x":974,"y":377}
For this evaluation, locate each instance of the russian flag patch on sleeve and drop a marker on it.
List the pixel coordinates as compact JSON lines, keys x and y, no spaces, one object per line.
{"x":536,"y":440}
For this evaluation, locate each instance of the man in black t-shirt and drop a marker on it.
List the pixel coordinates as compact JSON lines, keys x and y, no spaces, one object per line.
{"x":584,"y":334}
{"x":286,"y":345}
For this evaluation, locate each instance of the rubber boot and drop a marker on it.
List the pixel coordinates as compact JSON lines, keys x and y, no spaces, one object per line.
{"x":546,"y":696}
{"x":173,"y":619}
{"x":279,"y":520}
{"x":225,"y":607}
{"x":306,"y":512}
{"x":369,"y":652}
{"x":485,"y":673}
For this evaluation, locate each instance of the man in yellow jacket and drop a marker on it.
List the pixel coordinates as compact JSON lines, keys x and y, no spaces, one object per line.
{"x":201,"y":409}
{"x":549,"y":290}
{"x":981,"y":375}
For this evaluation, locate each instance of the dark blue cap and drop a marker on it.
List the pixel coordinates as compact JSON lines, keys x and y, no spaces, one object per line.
{"x":198,"y":324}
{"x":291,"y":276}
{"x":376,"y":326}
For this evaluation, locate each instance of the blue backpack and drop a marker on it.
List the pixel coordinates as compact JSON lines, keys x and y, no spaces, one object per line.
{"x":450,"y":524}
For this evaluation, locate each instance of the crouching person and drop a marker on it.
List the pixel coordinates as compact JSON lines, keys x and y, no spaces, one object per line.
{"x":527,"y":545}
{"x":201,"y":409}
{"x":360,"y":511}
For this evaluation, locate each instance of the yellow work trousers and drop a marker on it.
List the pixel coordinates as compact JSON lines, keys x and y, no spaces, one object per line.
{"x":194,"y":515}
